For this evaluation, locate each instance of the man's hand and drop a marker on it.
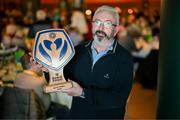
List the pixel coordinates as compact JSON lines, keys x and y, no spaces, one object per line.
{"x":76,"y":90}
{"x":37,"y":64}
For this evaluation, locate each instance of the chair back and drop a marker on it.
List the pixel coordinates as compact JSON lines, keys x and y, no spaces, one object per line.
{"x":16,"y":103}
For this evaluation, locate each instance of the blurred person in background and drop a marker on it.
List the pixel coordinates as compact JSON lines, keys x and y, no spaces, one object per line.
{"x":78,"y":28}
{"x":31,"y":78}
{"x":19,"y":40}
{"x":41,"y":23}
{"x":56,"y":24}
{"x":75,"y":36}
{"x":9,"y":33}
{"x":79,"y":24}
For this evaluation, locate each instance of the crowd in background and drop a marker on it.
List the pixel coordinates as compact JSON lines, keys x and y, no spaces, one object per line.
{"x":21,"y":27}
{"x":139,"y":33}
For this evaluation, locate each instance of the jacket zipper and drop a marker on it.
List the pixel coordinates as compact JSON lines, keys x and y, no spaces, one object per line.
{"x":92,"y":66}
{"x":91,"y":61}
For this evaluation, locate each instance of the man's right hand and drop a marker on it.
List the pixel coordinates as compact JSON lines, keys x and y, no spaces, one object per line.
{"x":37,"y":64}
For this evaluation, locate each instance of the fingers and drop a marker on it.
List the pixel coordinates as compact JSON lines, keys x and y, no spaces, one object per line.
{"x":68,"y":91}
{"x":65,"y":90}
{"x":70,"y":80}
{"x":75,"y":84}
{"x":76,"y":90}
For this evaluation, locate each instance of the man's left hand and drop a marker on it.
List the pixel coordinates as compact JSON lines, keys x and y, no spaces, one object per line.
{"x":76,"y":90}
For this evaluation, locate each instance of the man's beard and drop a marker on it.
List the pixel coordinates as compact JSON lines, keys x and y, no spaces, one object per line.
{"x":101,"y":35}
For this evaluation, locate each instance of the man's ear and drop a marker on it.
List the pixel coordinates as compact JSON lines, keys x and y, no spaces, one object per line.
{"x":116,"y":30}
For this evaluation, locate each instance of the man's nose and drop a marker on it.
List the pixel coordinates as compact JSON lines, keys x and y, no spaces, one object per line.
{"x":101,"y":26}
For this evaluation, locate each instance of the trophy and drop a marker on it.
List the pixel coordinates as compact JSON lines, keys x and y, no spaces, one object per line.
{"x":54,"y":49}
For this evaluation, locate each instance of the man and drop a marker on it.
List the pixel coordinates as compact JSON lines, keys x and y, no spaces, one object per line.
{"x":30,"y":78}
{"x":101,"y":71}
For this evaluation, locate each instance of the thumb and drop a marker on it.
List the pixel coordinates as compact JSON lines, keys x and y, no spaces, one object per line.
{"x":75,"y":84}
{"x":69,"y":80}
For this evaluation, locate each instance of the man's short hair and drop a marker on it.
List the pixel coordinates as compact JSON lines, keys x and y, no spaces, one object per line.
{"x":108,"y":9}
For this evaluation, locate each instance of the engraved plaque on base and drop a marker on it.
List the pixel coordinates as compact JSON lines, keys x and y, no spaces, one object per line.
{"x":54,"y":49}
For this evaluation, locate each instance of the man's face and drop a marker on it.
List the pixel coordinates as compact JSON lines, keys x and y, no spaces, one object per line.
{"x":103,"y":26}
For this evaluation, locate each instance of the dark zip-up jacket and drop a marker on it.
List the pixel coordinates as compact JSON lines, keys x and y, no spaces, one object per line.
{"x":107,"y":84}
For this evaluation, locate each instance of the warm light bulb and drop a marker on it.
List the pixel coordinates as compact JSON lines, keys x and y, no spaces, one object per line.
{"x":130,"y":11}
{"x":88,"y":12}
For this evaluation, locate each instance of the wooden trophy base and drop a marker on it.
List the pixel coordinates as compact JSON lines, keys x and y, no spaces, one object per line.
{"x":57,"y":87}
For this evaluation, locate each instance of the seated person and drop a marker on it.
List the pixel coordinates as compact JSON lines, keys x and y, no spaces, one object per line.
{"x":31,"y":78}
{"x":17,"y":103}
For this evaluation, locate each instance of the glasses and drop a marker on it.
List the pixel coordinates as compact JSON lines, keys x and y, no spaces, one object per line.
{"x":106,"y":24}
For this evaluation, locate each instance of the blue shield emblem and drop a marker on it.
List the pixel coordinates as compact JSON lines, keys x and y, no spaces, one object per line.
{"x":53,"y":48}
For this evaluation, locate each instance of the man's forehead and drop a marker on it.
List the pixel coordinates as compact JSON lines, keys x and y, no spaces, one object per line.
{"x":104,"y":15}
{"x":104,"y":12}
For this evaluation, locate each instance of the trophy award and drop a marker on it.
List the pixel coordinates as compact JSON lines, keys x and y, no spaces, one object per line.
{"x":54,"y":49}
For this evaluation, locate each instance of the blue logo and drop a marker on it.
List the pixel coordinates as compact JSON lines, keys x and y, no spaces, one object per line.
{"x":53,"y":48}
{"x":58,"y":44}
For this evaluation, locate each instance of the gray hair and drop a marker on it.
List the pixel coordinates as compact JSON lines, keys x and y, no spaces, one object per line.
{"x":110,"y":9}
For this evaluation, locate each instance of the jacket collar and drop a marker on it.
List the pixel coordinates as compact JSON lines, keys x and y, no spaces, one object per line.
{"x":88,"y":46}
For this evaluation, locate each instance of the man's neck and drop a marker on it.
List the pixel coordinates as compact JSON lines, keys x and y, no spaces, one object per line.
{"x":104,"y":45}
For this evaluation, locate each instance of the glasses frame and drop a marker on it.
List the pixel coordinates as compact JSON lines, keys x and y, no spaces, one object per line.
{"x":106,"y":23}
